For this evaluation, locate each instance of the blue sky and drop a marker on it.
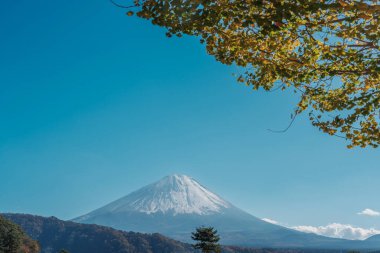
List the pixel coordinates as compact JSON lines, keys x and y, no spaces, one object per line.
{"x":95,"y":104}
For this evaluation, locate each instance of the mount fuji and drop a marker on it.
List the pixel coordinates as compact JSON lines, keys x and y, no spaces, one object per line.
{"x":177,"y":204}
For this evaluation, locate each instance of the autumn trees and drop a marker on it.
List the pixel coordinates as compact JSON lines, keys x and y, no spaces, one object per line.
{"x":14,"y":240}
{"x":326,"y":51}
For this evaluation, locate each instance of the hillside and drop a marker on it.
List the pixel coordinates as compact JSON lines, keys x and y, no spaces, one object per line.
{"x":54,"y":234}
{"x":14,"y":239}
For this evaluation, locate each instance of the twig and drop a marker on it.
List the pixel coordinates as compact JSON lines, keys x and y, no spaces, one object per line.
{"x":287,"y":128}
{"x":122,"y":6}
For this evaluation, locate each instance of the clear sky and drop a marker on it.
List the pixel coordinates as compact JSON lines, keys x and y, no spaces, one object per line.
{"x":95,"y":104}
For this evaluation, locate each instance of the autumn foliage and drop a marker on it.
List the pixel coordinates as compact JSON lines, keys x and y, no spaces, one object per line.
{"x":327,"y":51}
{"x":14,"y":240}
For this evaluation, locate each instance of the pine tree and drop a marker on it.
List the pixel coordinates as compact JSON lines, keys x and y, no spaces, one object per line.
{"x":207,"y":239}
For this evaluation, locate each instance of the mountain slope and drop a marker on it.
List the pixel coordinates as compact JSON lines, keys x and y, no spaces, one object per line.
{"x":173,"y":194}
{"x":177,"y":204}
{"x":14,"y":239}
{"x":54,"y":234}
{"x":374,"y":238}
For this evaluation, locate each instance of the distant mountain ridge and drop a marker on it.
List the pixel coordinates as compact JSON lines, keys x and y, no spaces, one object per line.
{"x":176,"y":204}
{"x":374,"y":238}
{"x":54,"y":234}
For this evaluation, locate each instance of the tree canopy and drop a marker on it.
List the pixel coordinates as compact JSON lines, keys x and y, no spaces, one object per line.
{"x":326,"y":51}
{"x":206,"y":239}
{"x":14,"y":240}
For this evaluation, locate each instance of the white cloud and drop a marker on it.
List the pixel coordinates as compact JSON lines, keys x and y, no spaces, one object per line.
{"x":338,"y":230}
{"x":369,"y":212}
{"x":270,"y":221}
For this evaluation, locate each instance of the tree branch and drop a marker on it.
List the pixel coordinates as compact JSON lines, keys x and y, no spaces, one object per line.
{"x":122,"y":6}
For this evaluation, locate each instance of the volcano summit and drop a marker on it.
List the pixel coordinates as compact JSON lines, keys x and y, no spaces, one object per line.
{"x":176,"y":194}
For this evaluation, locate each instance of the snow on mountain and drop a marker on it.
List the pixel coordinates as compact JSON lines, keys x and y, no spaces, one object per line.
{"x":177,"y":204}
{"x":175,"y":194}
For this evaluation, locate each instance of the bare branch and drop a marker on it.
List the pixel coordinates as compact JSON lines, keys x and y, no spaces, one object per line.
{"x":122,"y":6}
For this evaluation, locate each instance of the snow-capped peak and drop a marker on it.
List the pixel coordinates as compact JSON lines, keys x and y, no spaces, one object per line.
{"x":177,"y":194}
